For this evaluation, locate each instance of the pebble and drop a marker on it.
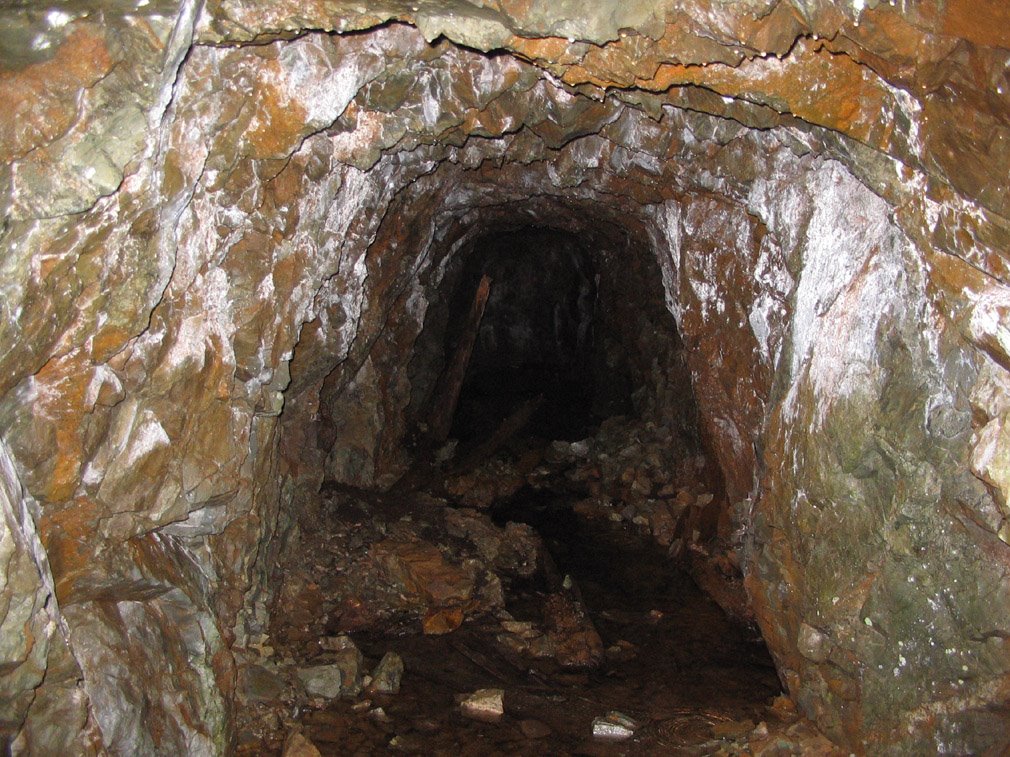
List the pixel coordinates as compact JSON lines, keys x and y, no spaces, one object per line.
{"x":336,"y":643}
{"x":614,"y":726}
{"x":484,"y":704}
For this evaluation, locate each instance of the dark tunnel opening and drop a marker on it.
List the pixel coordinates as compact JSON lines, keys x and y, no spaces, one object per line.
{"x":538,"y":339}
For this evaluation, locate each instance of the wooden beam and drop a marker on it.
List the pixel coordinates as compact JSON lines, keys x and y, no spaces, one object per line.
{"x":451,"y":381}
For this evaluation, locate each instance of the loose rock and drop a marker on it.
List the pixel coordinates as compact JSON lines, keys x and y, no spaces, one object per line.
{"x":487,"y":705}
{"x":387,"y":674}
{"x":614,"y":726}
{"x":341,"y":678}
{"x":298,"y":745}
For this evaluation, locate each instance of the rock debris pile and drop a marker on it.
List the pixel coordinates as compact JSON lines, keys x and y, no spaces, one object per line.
{"x":415,"y":564}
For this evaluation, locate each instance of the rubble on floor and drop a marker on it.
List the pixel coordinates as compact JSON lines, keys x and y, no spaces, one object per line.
{"x":630,"y":471}
{"x":387,"y":675}
{"x":640,"y":473}
{"x":395,"y":607}
{"x":428,"y":570}
{"x":297,"y":745}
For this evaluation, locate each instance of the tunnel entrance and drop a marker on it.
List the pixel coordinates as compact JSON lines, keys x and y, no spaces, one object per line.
{"x":556,"y":543}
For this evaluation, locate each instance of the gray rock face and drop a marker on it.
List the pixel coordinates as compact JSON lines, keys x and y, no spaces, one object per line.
{"x":223,"y":279}
{"x":28,"y":615}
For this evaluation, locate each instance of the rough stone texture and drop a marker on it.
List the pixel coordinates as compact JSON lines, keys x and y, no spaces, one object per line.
{"x":209,"y":308}
{"x":341,"y":678}
{"x":298,"y":745}
{"x":387,"y":675}
{"x":28,"y":614}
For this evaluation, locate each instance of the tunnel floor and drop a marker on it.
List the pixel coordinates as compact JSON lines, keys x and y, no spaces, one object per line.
{"x":569,"y":611}
{"x":674,"y":663}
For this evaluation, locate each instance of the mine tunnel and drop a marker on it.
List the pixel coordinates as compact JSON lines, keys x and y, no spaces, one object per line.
{"x":535,"y":338}
{"x":554,"y":440}
{"x":548,"y":534}
{"x":457,"y":377}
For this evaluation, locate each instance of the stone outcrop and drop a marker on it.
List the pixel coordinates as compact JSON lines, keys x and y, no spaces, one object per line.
{"x":231,"y":232}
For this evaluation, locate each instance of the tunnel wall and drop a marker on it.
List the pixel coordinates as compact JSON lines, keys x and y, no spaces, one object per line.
{"x":229,"y":240}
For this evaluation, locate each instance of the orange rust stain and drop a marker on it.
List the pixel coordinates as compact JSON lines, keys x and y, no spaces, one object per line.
{"x":107,"y":342}
{"x":576,"y":75}
{"x":984,"y":22}
{"x":280,"y":122}
{"x":66,"y":535}
{"x":438,"y":622}
{"x":539,"y":49}
{"x":812,"y":84}
{"x":621,"y":61}
{"x":64,"y":384}
{"x":288,"y":273}
{"x":40,"y":100}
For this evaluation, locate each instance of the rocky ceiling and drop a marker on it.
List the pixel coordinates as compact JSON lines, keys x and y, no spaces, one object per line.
{"x":225,"y":224}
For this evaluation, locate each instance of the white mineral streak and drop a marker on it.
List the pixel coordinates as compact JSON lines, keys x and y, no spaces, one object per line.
{"x":911,"y":109}
{"x":145,"y":439}
{"x":18,"y":511}
{"x":782,"y":202}
{"x":767,"y":313}
{"x":123,"y":422}
{"x":586,"y":152}
{"x":179,"y":44}
{"x":988,"y":327}
{"x":668,"y":221}
{"x":103,"y":375}
{"x":358,"y":191}
{"x":731,"y":432}
{"x":29,"y":613}
{"x":705,"y":279}
{"x":851,"y":268}
{"x":431,"y":99}
{"x":210,"y":329}
{"x":308,"y":77}
{"x":350,"y":145}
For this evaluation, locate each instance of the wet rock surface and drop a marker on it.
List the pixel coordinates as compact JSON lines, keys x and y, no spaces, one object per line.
{"x":232,"y":238}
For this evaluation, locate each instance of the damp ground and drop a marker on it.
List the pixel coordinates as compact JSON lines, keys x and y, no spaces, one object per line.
{"x":675,"y":664}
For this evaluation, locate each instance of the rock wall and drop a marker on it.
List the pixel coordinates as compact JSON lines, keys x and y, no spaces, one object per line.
{"x":224,"y":226}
